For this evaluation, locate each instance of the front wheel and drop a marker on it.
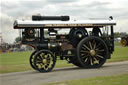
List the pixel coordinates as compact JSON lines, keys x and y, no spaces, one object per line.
{"x":92,"y":52}
{"x":44,"y":61}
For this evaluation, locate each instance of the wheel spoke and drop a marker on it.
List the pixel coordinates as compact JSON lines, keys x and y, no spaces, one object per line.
{"x":38,"y":61}
{"x":86,"y":47}
{"x":98,"y":45}
{"x":82,"y":54}
{"x":86,"y":59}
{"x":41,"y":58}
{"x":45,"y":67}
{"x":42,"y":54}
{"x":49,"y":55}
{"x":99,"y":56}
{"x":49,"y":65}
{"x":102,"y":50}
{"x":84,"y":51}
{"x":94,"y":45}
{"x":91,"y":61}
{"x":99,"y":48}
{"x":96,"y":61}
{"x":90,"y":44}
{"x":39,"y":66}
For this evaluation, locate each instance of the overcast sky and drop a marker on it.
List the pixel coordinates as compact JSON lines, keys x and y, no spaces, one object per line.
{"x":77,"y":9}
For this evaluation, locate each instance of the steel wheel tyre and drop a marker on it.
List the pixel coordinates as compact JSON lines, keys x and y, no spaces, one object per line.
{"x":31,"y":59}
{"x":44,"y":61}
{"x":92,"y":52}
{"x":75,"y":61}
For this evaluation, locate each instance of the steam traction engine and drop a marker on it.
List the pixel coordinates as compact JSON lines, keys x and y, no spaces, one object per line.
{"x":124,"y":41}
{"x":87,"y":44}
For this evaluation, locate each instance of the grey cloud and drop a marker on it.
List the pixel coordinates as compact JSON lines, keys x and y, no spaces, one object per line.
{"x":6,"y":5}
{"x":84,"y":10}
{"x":33,"y":4}
{"x":22,"y":7}
{"x":8,"y":33}
{"x":76,"y":10}
{"x":61,"y":1}
{"x":97,"y":3}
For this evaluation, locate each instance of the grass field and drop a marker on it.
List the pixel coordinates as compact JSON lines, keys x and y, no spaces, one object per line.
{"x":19,"y":61}
{"x":107,"y":80}
{"x":120,"y":54}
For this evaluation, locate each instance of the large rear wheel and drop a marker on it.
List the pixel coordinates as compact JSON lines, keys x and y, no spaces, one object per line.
{"x":92,"y":52}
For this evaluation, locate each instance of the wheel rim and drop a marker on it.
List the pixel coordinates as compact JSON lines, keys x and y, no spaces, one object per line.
{"x":31,"y":59}
{"x":93,"y":53}
{"x":44,"y":61}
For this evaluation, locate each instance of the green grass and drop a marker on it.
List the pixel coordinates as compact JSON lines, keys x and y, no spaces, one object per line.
{"x":117,"y":44}
{"x":19,"y":61}
{"x":120,"y":54}
{"x":107,"y":80}
{"x":14,"y":62}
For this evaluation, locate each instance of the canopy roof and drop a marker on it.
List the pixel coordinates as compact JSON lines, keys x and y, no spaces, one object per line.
{"x":62,"y":24}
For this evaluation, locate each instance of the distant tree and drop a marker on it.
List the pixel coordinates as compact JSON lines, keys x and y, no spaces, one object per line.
{"x":17,"y":39}
{"x":121,"y":34}
{"x":116,"y":34}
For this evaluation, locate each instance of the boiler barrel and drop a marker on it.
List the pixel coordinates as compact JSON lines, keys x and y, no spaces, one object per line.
{"x":40,"y":18}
